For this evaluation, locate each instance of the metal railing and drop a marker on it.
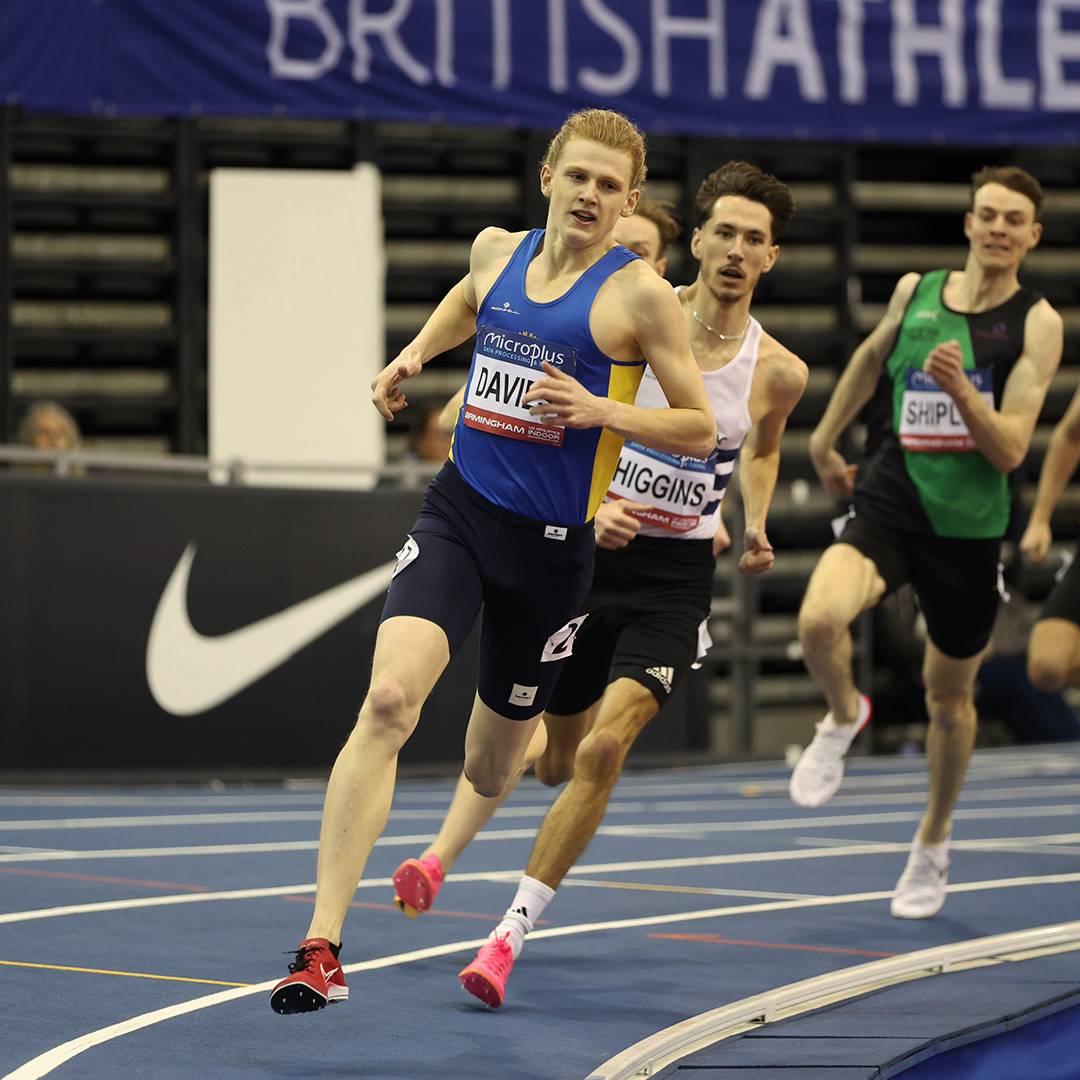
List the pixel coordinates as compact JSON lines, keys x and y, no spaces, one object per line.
{"x":234,"y":471}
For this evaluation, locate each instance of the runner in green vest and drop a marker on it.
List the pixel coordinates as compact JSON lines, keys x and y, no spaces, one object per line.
{"x":961,"y":363}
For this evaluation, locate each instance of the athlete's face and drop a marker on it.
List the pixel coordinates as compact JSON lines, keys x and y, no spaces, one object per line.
{"x":1001,"y":227}
{"x":735,"y":247}
{"x":589,"y":191}
{"x":643,"y":238}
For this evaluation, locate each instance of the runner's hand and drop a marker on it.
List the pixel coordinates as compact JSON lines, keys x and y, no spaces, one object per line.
{"x":1035,"y":543}
{"x":945,"y":365}
{"x":565,"y":401}
{"x":757,"y":556}
{"x":835,"y":474}
{"x":386,"y":392}
{"x":721,"y":540}
{"x":615,"y":525}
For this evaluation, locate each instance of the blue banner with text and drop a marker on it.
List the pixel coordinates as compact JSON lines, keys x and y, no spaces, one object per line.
{"x":990,"y":72}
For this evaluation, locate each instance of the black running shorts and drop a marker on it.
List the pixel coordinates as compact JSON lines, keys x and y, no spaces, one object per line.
{"x":956,"y":580}
{"x":645,"y":614}
{"x":1064,"y":601}
{"x":530,"y":576}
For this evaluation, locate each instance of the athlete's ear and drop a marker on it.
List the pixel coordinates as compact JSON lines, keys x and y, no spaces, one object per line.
{"x":1036,"y":234}
{"x":546,"y":179}
{"x":770,"y":259}
{"x":968,"y":220}
{"x":631,"y":203}
{"x":695,"y":243}
{"x":661,"y":266}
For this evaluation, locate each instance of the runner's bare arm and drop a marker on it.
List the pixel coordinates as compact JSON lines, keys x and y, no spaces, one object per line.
{"x":686,"y":427}
{"x":451,"y":323}
{"x":448,"y":416}
{"x":1062,"y":458}
{"x":854,"y":390}
{"x":759,"y":461}
{"x":1004,"y":435}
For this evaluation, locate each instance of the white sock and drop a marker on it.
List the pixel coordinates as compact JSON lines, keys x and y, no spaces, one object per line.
{"x":939,"y":851}
{"x":524,"y":911}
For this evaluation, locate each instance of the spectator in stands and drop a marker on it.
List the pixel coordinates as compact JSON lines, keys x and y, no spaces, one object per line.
{"x":47,"y":425}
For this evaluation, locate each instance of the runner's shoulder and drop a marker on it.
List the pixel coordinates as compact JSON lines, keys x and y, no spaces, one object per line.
{"x":786,"y":374}
{"x":1042,"y":315}
{"x":494,"y":243}
{"x":905,"y":289}
{"x":644,"y":292}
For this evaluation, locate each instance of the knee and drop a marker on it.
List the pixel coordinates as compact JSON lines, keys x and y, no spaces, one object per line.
{"x":819,"y":628}
{"x":387,"y":712}
{"x":488,"y":778}
{"x":553,"y":768}
{"x":950,"y":711}
{"x":1047,"y":673}
{"x":599,"y":757}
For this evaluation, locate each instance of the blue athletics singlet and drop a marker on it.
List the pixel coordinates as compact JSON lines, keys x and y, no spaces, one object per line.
{"x":536,"y":469}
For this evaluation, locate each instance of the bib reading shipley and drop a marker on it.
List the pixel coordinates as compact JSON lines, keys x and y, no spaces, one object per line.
{"x":515,"y":460}
{"x":922,"y":471}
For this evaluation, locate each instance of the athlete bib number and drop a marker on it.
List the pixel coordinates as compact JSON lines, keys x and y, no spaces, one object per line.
{"x":505,"y":365}
{"x":930,"y":422}
{"x":676,"y":488}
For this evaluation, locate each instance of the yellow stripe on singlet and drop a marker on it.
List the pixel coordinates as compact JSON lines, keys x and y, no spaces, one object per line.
{"x":622,"y":386}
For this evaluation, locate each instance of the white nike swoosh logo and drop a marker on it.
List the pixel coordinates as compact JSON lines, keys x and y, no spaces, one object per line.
{"x":189,"y":673}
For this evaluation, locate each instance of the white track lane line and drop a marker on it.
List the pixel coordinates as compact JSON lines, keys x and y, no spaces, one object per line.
{"x":52,"y":1059}
{"x":797,"y":854}
{"x":803,"y":823}
{"x":685,"y":782}
{"x":616,"y":806}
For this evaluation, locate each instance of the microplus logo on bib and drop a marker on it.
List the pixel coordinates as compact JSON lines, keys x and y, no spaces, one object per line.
{"x":521,"y":348}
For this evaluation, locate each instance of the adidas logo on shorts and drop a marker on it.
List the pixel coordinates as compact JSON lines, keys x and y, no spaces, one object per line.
{"x":663,"y":675}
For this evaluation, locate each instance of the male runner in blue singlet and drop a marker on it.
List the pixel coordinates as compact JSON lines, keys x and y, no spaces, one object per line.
{"x":658,"y":534}
{"x":563,"y":318}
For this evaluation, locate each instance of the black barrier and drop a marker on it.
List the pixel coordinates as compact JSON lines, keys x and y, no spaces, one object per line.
{"x":84,"y":570}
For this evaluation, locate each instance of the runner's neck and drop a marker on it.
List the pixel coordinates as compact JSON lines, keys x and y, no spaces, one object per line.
{"x":971,"y":290}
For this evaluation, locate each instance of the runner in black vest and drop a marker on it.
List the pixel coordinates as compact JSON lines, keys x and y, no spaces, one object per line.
{"x":961,"y":362}
{"x":1054,"y":648}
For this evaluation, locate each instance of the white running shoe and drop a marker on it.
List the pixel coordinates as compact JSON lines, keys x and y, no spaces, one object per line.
{"x":920,"y":892}
{"x":820,"y":768}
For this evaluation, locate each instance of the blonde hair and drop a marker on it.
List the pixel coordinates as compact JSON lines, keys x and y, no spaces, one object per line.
{"x":24,"y":434}
{"x":606,"y":127}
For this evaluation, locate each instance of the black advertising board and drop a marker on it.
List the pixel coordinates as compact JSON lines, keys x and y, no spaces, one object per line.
{"x":191,"y":627}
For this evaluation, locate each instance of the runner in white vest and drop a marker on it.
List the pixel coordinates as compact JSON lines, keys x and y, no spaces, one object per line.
{"x":658,"y":534}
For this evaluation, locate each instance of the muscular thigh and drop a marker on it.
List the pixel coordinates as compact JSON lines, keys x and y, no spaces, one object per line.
{"x":847,"y":581}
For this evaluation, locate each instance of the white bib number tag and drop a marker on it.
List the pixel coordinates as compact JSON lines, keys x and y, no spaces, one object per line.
{"x":676,"y":488}
{"x":561,"y":644}
{"x":505,"y":366}
{"x":930,"y":422}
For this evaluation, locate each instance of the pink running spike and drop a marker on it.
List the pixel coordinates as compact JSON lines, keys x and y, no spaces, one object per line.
{"x":485,"y":978}
{"x":417,"y":883}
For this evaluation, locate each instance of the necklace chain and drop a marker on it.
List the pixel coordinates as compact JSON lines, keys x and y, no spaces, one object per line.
{"x":716,"y":333}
